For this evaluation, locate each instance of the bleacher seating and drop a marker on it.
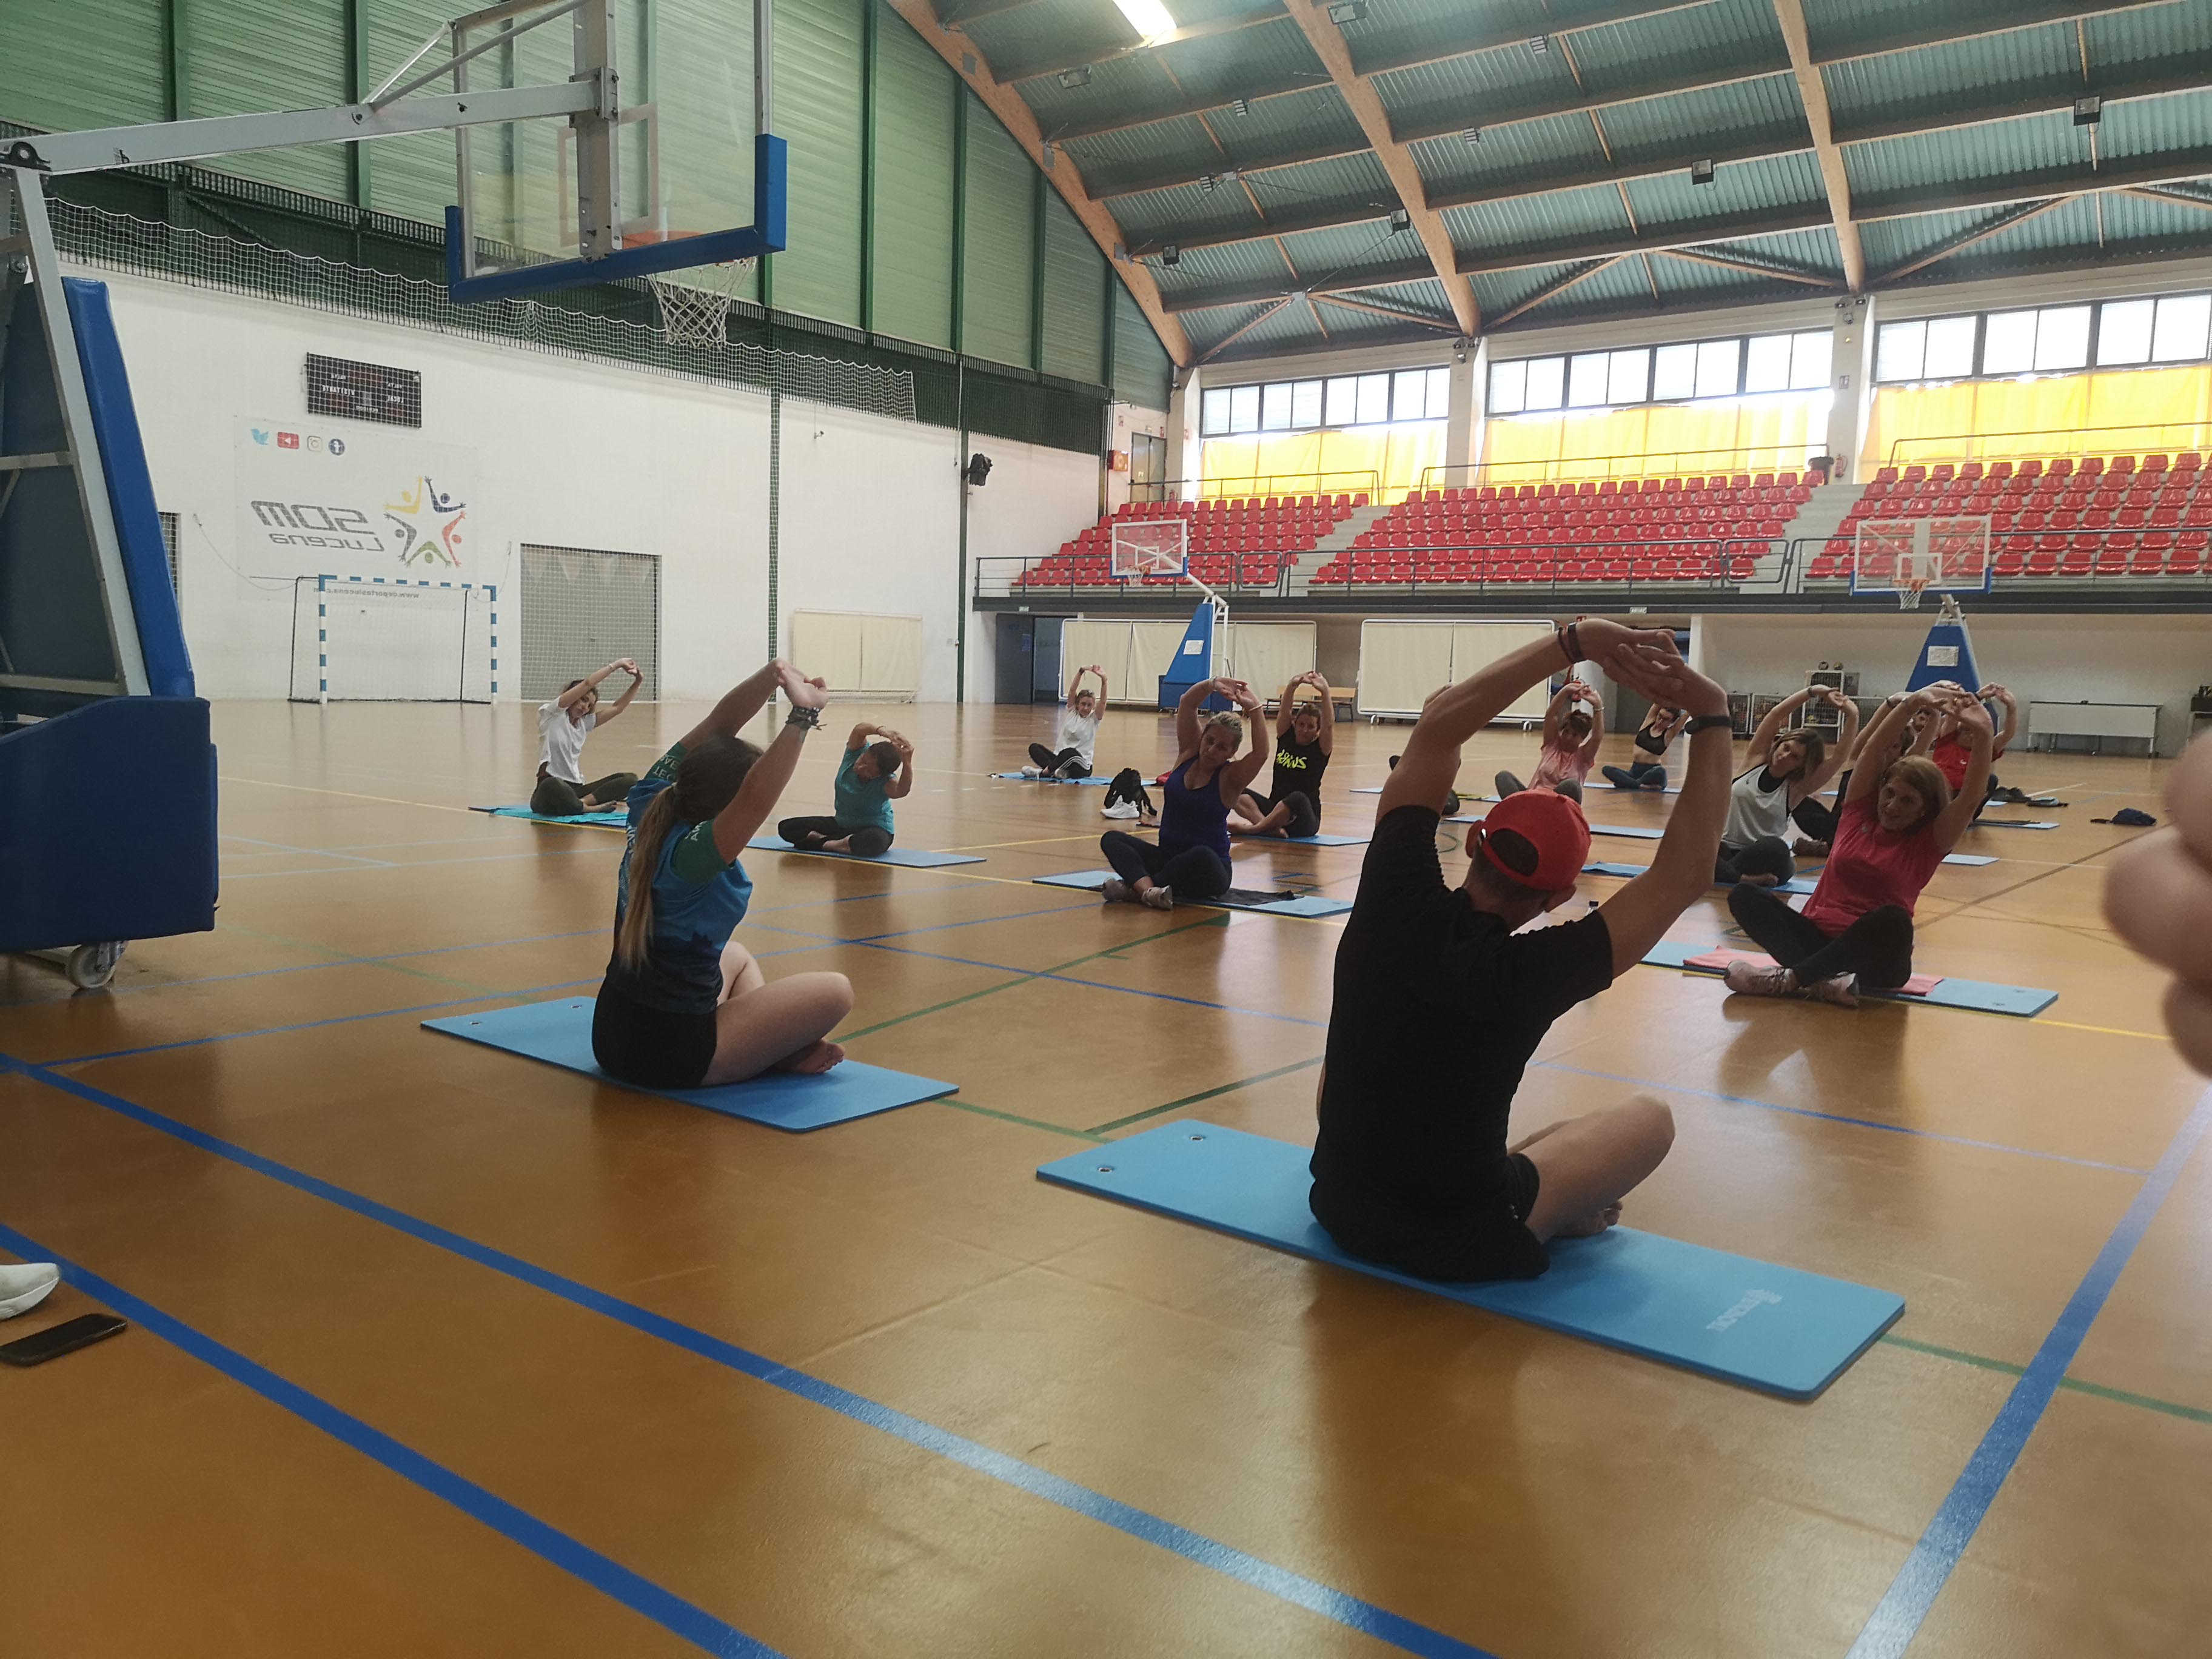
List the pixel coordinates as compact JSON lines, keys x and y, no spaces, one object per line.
{"x":2095,"y":516}
{"x":1577,"y":531}
{"x":1235,"y":542}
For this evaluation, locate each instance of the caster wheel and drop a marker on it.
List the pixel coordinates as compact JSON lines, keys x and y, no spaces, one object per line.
{"x":91,"y":966}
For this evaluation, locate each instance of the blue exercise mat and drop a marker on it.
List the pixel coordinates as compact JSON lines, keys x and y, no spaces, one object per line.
{"x":2023,"y":1001}
{"x":1795,"y":885}
{"x":2014,"y":823}
{"x":1023,"y":777}
{"x":911,"y":858}
{"x":615,"y":817}
{"x":1633,"y":831}
{"x":560,"y":1034}
{"x":1305,"y":904}
{"x":1772,"y":1328}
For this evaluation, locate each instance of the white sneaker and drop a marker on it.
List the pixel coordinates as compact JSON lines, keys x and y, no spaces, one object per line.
{"x":25,"y":1285}
{"x":1119,"y":809}
{"x":1032,"y":771}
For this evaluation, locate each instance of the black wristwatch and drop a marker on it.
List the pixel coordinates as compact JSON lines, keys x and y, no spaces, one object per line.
{"x":1706,"y":722}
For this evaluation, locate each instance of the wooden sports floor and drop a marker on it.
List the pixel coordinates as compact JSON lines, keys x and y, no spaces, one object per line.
{"x":437,"y":1351}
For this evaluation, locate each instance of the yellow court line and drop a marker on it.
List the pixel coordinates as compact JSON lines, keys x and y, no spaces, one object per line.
{"x":1042,"y":841}
{"x":355,"y":794}
{"x":2109,"y":1030}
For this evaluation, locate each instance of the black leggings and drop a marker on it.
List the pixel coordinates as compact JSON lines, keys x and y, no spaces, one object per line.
{"x":1196,"y":872}
{"x":867,"y":839}
{"x":1767,"y":856}
{"x":557,"y":798}
{"x":1639,"y":775}
{"x":1816,"y":817}
{"x":1877,"y":947}
{"x":1509,"y":785}
{"x":1067,"y":764}
{"x":1304,"y":811}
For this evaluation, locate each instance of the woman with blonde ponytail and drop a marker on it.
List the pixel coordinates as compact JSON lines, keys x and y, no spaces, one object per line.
{"x":683,"y":1004}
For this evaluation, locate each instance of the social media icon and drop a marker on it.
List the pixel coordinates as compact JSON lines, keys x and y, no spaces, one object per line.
{"x":259,"y":435}
{"x":288,"y":441}
{"x":338,"y":446}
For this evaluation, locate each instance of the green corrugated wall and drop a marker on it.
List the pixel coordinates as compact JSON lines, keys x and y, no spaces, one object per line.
{"x":100,"y":62}
{"x":916,"y":93}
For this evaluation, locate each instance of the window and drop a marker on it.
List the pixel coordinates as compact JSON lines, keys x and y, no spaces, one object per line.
{"x":1509,"y":388}
{"x":1718,"y":364}
{"x":1275,"y":407}
{"x":1439,"y":394}
{"x":1417,"y":394}
{"x":1341,"y":408}
{"x":1810,"y":356}
{"x":1409,"y":395}
{"x":1586,"y":376}
{"x":1305,"y":405}
{"x":2179,"y":335}
{"x":1766,"y":363}
{"x":1628,"y":376}
{"x":1245,"y":409}
{"x":1674,"y":373}
{"x":1213,"y":413}
{"x":1374,"y":405}
{"x":2046,"y":340}
{"x":1547,"y":382}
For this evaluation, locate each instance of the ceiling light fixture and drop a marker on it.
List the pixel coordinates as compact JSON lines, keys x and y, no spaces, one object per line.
{"x":1150,"y":18}
{"x":1207,"y":183}
{"x":1070,"y":79}
{"x":1400,"y":220}
{"x":1347,"y":11}
{"x":2088,"y":112}
{"x":1701,"y":172}
{"x":1242,"y":105}
{"x":1171,"y":255}
{"x":1540,"y":45}
{"x":1473,"y":135}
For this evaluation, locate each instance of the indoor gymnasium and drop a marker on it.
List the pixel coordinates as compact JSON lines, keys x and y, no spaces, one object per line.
{"x":1106,"y":827}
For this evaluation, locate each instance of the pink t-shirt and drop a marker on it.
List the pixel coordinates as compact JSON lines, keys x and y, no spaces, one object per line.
{"x":1870,"y":866}
{"x":1557,"y":763}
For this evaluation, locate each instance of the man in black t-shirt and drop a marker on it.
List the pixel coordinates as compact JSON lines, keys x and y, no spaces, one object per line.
{"x":1441,"y":999}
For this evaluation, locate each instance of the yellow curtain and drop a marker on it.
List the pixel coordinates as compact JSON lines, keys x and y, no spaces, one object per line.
{"x":1334,"y":462}
{"x":2125,"y":412}
{"x":1660,"y":438}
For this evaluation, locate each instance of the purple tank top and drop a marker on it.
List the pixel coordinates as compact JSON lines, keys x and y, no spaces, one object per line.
{"x":1194,"y":818}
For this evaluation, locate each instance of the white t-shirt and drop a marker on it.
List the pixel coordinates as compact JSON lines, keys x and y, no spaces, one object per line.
{"x":1079,"y":733}
{"x":561,"y":741}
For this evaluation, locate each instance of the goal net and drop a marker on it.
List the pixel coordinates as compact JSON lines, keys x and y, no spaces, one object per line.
{"x":1151,"y":547}
{"x":355,"y":639}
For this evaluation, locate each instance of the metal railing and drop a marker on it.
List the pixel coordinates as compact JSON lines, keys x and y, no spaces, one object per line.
{"x":2060,"y":442}
{"x":1677,"y":463}
{"x":1799,"y":557}
{"x":1346,"y":481}
{"x":1006,"y":577}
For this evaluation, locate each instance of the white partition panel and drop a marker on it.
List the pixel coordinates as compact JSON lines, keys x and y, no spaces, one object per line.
{"x":1400,"y":664}
{"x":1477,"y":645}
{"x":861,"y":655}
{"x":1152,"y":646}
{"x":1082,"y":642}
{"x":1266,"y":654}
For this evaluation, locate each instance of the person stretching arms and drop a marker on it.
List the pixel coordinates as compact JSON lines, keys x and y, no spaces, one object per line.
{"x":1648,"y":770}
{"x":1897,"y":822}
{"x":562,"y":725}
{"x":1787,"y":770}
{"x":1077,"y":736}
{"x":1192,"y":857}
{"x":869,"y":779}
{"x":1441,"y":996}
{"x":1572,"y":734}
{"x":1305,"y":737}
{"x":683,"y":1004}
{"x":2159,"y":896}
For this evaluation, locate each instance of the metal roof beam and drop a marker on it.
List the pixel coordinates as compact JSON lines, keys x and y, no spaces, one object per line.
{"x":967,"y":11}
{"x":1331,"y":219}
{"x":1080,"y":57}
{"x":2189,"y":196}
{"x":1221,"y":167}
{"x":1246,"y":294}
{"x":1199,"y":105}
{"x":2019,"y":214}
{"x":1813,"y":92}
{"x":1556,"y":286}
{"x":1658,"y":167}
{"x":1703,"y":81}
{"x":1655,"y":239}
{"x":1244,"y":328}
{"x":2136,"y":171}
{"x":1015,"y":117}
{"x":2019,"y":15}
{"x":1758,"y":267}
{"x":2112,"y":88}
{"x":1366,"y":107}
{"x":1473,"y":40}
{"x":1442,"y":325}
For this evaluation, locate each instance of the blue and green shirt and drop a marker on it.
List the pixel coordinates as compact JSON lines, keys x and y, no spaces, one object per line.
{"x":698,"y":900}
{"x":861,"y":804}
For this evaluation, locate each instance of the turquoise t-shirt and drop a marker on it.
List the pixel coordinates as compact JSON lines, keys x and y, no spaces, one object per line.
{"x":862,"y":805}
{"x":697,"y":902}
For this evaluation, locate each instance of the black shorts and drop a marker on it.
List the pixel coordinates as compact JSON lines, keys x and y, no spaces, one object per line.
{"x":651,"y":1047}
{"x":1487,"y":1239}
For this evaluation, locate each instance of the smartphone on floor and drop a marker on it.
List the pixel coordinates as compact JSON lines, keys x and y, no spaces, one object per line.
{"x":57,"y":1340}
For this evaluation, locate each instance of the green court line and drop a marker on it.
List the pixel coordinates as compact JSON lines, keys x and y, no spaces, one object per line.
{"x":2120,"y":1396}
{"x":363,"y":961}
{"x":1006,"y":985}
{"x":1027,"y":1123}
{"x":1099,"y":1129}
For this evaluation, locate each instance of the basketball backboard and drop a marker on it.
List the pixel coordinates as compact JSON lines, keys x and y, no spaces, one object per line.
{"x":675,"y":166}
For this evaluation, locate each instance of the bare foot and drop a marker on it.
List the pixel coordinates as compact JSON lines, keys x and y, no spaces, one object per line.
{"x":842,"y":844}
{"x":1759,"y":881}
{"x":1590,"y":1225}
{"x":1806,"y":847}
{"x":817,"y":1057}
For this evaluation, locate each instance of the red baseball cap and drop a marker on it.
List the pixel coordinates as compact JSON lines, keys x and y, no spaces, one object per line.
{"x":1552,"y":825}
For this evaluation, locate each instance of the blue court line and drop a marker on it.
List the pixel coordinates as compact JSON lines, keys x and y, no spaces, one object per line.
{"x":1838,"y":1117}
{"x":425,"y":864}
{"x":1350,"y":1611}
{"x":313,"y":1025}
{"x":1897,"y":1619}
{"x":549,"y":1543}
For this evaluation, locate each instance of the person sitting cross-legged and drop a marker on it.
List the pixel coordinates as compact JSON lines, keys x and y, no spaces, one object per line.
{"x":1442,"y":992}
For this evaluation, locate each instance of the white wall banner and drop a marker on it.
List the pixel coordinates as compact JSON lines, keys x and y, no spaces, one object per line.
{"x":312,"y":501}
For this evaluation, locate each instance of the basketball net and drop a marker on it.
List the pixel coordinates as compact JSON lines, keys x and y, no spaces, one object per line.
{"x":1909,"y":589}
{"x":696,"y":310}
